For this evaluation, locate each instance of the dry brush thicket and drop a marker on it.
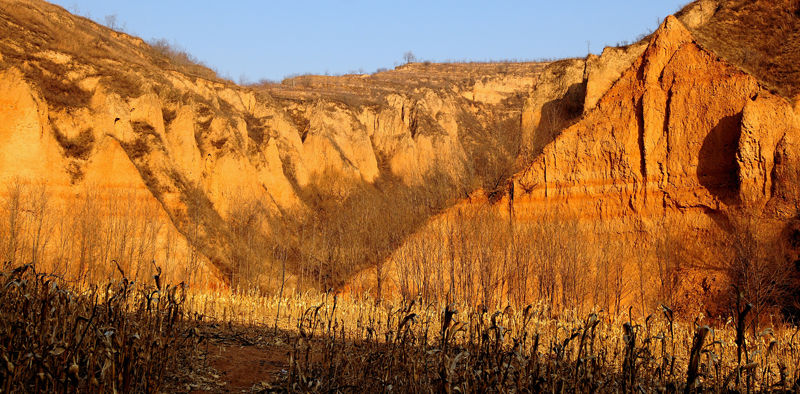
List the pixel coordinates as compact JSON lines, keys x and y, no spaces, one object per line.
{"x":487,"y":301}
{"x":483,"y":257}
{"x":352,"y":226}
{"x":90,"y":236}
{"x":760,"y":37}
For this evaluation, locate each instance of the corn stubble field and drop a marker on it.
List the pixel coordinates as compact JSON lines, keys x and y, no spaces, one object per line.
{"x":150,"y":337}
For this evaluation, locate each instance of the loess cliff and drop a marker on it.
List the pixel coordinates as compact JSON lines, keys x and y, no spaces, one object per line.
{"x":681,"y":129}
{"x":245,"y":174}
{"x":332,"y":176}
{"x":640,"y":164}
{"x":690,"y":138}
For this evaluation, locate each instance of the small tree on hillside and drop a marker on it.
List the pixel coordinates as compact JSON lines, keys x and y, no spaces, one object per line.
{"x":110,"y":21}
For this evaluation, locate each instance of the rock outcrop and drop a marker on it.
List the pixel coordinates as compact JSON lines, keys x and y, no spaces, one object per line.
{"x":333,"y":173}
{"x":555,"y":102}
{"x":681,"y":129}
{"x":670,"y":147}
{"x":86,"y":107}
{"x":604,"y":70}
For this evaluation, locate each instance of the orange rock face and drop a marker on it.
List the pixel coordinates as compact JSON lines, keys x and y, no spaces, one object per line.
{"x":661,"y":128}
{"x":206,"y":150}
{"x":681,"y":129}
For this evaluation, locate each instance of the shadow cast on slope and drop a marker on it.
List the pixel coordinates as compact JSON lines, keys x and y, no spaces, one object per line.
{"x":556,"y":116}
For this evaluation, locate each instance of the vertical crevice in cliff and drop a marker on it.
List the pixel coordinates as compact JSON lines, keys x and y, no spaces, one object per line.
{"x":413,"y":125}
{"x":511,"y":202}
{"x":544,"y":159}
{"x":642,"y":149}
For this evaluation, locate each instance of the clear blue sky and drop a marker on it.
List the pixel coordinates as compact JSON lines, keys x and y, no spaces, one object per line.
{"x":254,"y":39}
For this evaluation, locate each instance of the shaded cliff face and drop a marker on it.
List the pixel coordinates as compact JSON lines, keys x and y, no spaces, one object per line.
{"x":242,"y":172}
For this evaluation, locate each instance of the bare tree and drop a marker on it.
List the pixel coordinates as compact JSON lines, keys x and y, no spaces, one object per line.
{"x":63,"y":244}
{"x":280,"y":254}
{"x":520,"y":268}
{"x":758,"y":270}
{"x":193,"y":257}
{"x":86,"y":234}
{"x":246,"y":226}
{"x":13,"y":207}
{"x":110,"y":21}
{"x":668,"y":265}
{"x":41,"y":222}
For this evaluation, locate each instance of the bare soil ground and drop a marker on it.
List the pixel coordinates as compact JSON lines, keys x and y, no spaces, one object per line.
{"x":245,"y":367}
{"x":235,"y":359}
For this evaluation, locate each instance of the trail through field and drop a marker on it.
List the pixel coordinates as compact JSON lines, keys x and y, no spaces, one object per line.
{"x":235,"y":359}
{"x":243,"y":367}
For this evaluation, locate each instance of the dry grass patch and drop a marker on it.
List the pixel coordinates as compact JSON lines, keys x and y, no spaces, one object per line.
{"x":761,"y":37}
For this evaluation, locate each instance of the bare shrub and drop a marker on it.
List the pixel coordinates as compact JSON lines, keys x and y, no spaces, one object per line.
{"x":256,"y":129}
{"x":13,"y":208}
{"x":59,"y":92}
{"x":757,"y":36}
{"x":78,"y":147}
{"x":758,"y":270}
{"x":181,"y":58}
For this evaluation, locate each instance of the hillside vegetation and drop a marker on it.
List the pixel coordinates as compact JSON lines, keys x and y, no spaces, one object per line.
{"x":759,"y":36}
{"x":624,"y":222}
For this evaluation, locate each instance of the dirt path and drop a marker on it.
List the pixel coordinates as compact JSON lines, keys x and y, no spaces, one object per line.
{"x":242,"y":367}
{"x":241,"y":364}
